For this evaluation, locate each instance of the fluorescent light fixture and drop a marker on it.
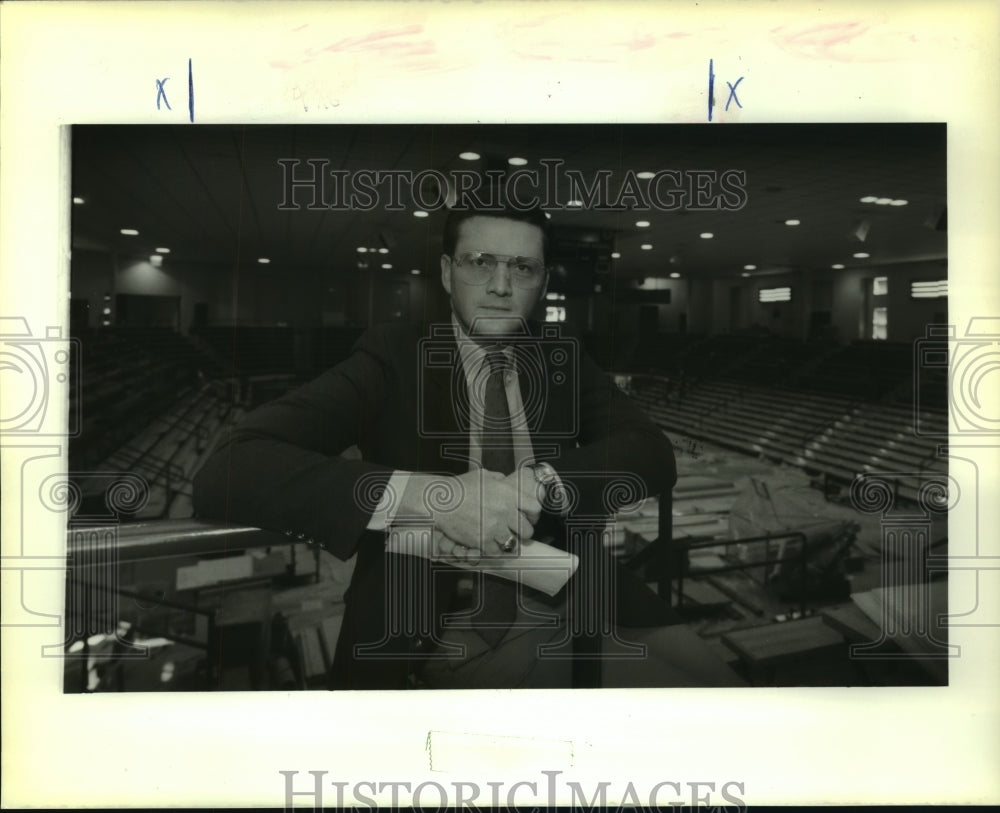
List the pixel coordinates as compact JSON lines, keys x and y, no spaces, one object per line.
{"x":861,"y":255}
{"x":898,"y":202}
{"x":837,"y":266}
{"x":646,"y":246}
{"x":362,"y":250}
{"x":575,"y":202}
{"x":774,"y":294}
{"x":931,"y":289}
{"x":130,"y":232}
{"x":383,"y":250}
{"x":263,"y":260}
{"x":548,"y":216}
{"x":162,"y":250}
{"x":517,"y":161}
{"x":469,"y":156}
{"x":868,"y":199}
{"x":616,"y":255}
{"x":78,"y":201}
{"x":750,"y":267}
{"x":745,"y":274}
{"x":415,"y":272}
{"x":883,"y":201}
{"x":156,"y":259}
{"x":792,"y":222}
{"x":706,"y":235}
{"x":387,"y":266}
{"x":645,"y":175}
{"x":642,"y":224}
{"x":674,"y":275}
{"x":420,"y":213}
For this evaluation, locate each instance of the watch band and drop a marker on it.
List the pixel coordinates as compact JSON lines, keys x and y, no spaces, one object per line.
{"x":553,"y":495}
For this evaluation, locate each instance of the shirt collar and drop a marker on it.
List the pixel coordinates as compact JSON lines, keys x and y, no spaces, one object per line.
{"x":473,"y":354}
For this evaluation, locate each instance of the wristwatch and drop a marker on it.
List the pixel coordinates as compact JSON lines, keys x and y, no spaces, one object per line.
{"x":553,"y":494}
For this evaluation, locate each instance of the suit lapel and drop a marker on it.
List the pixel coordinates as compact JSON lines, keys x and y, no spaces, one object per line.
{"x":444,"y":442}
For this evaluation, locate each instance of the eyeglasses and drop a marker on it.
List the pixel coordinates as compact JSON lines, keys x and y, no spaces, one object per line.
{"x":477,"y":268}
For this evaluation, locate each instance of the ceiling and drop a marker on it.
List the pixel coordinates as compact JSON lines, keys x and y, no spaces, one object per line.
{"x":211,"y":194}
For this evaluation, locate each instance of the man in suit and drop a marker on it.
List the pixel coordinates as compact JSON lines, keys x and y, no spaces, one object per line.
{"x":483,"y":434}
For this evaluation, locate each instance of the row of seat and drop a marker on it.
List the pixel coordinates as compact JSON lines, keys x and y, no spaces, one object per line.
{"x":833,"y":434}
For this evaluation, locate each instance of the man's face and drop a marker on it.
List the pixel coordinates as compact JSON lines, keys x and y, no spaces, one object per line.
{"x":495,"y":305}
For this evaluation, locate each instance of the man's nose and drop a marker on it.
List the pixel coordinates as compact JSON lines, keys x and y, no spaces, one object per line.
{"x":500,"y":280}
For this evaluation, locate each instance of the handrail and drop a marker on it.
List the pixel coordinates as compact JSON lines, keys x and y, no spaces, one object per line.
{"x":162,"y":538}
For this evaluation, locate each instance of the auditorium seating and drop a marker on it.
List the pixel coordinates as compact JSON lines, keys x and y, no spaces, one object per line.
{"x":837,"y":412}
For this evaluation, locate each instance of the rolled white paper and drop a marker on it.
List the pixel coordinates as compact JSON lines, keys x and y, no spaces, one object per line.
{"x":536,"y":564}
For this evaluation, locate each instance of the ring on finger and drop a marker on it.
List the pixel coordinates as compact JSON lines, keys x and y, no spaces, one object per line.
{"x":508,"y":545}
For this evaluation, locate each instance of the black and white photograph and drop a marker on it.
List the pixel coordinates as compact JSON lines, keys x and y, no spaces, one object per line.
{"x":464,"y":405}
{"x":508,"y":406}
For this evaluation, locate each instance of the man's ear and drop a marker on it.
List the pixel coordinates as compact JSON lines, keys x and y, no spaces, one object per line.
{"x":446,"y":273}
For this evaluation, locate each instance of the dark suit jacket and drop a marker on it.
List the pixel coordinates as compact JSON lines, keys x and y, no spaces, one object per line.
{"x":393,"y":398}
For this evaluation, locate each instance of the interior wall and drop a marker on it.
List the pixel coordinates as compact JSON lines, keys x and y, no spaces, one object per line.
{"x":252,"y":295}
{"x":268,"y":295}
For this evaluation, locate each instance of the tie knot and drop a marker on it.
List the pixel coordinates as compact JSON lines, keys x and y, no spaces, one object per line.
{"x":497,"y":360}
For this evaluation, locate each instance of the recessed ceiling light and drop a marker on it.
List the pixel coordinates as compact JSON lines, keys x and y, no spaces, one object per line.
{"x":615,"y":255}
{"x":674,"y":275}
{"x":645,"y":175}
{"x":575,"y":203}
{"x":420,"y":213}
{"x":517,"y":161}
{"x":646,"y":246}
{"x":383,"y":250}
{"x":263,"y":260}
{"x":706,"y":235}
{"x":163,"y":250}
{"x":130,"y":232}
{"x":469,"y":156}
{"x":642,"y":224}
{"x":415,"y":271}
{"x":362,"y":250}
{"x":745,"y":274}
{"x":387,"y":266}
{"x":868,"y":199}
{"x":861,"y":255}
{"x":898,"y":203}
{"x":883,"y":201}
{"x":792,"y":222}
{"x":749,"y":267}
{"x":78,"y":201}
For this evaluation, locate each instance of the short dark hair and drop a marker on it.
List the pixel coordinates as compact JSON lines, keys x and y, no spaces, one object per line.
{"x":460,"y":213}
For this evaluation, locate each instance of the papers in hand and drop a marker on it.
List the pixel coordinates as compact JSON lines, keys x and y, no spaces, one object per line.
{"x":535,"y":564}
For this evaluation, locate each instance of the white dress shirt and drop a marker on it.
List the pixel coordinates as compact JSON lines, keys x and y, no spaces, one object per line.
{"x":477,"y":369}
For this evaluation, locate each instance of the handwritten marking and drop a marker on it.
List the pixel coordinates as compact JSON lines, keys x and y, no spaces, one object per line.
{"x":711,"y":90}
{"x":161,"y":93}
{"x":732,"y":94}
